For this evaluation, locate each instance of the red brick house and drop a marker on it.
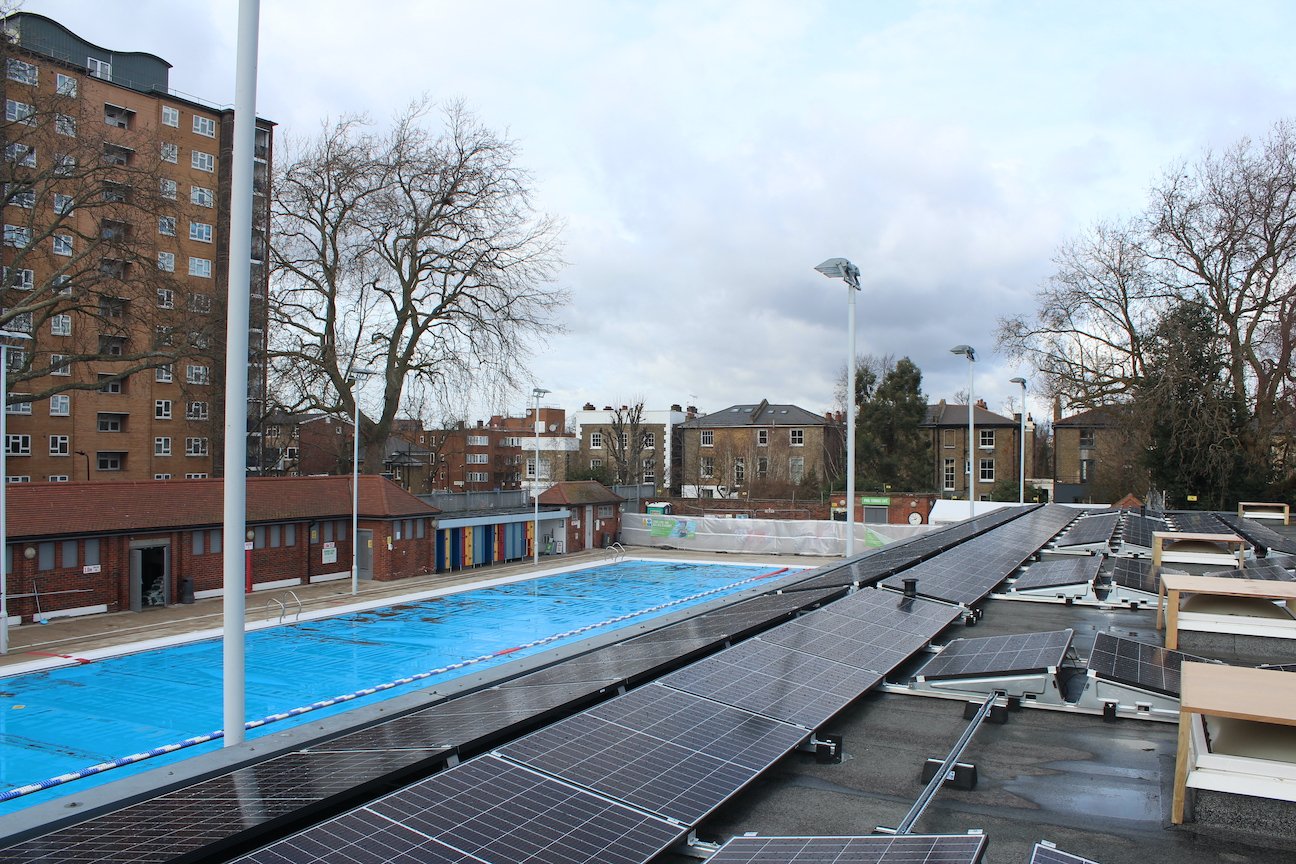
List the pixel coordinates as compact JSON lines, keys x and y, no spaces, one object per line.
{"x":595,"y":513}
{"x":81,"y":548}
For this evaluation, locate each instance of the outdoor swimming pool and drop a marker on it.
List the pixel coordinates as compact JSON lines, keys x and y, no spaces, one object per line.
{"x":67,"y":719}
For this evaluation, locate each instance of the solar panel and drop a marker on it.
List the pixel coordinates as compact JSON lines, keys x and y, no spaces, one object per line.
{"x":661,"y":749}
{"x":1259,"y":535}
{"x":998,"y":655}
{"x":1198,"y":523}
{"x":1137,"y":530}
{"x":1280,"y":667}
{"x":359,"y":837}
{"x":1090,"y":530}
{"x":1128,"y":662}
{"x":507,"y":814}
{"x":898,"y":849}
{"x":1047,"y":853}
{"x":775,"y":681}
{"x":1059,"y":571}
{"x":1135,"y":573}
{"x":1264,"y":569}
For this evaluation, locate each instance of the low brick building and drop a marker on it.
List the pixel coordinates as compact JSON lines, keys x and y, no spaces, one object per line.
{"x":594,"y":519}
{"x":82,"y":548}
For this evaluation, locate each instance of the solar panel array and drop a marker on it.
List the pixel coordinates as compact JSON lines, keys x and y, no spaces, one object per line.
{"x":1049,"y":854}
{"x":660,"y":749}
{"x":1198,"y":522}
{"x":1264,"y":569}
{"x":1090,"y":530}
{"x":1137,"y":530}
{"x":1259,"y":535}
{"x":1056,"y":572}
{"x":898,"y":849}
{"x":1129,"y":662}
{"x":967,"y":574}
{"x":1135,"y":573}
{"x":998,"y":655}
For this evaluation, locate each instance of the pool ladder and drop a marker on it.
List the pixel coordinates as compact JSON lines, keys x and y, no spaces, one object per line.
{"x":615,"y":551}
{"x":282,"y":603}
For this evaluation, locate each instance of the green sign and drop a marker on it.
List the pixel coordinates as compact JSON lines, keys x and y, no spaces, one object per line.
{"x":875,"y":501}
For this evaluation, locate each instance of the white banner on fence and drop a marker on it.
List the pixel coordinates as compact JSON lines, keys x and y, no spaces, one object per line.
{"x":758,"y":536}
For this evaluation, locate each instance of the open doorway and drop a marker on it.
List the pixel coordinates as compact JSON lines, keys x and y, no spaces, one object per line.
{"x":150,"y":582}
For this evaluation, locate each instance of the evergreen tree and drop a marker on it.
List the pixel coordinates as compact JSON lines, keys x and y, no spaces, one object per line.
{"x":891,"y":447}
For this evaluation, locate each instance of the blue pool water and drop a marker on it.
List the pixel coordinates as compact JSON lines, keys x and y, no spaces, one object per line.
{"x":67,"y":719}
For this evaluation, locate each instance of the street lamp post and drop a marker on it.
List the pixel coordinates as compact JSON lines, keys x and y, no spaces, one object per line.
{"x":970,"y":353}
{"x":840,"y":268}
{"x":536,"y":392}
{"x":1021,"y":445}
{"x":353,"y":378}
{"x":4,"y":482}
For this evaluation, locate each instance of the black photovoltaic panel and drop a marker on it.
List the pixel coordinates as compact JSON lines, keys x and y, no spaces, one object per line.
{"x":1059,"y":571}
{"x":1259,"y":534}
{"x":242,"y":805}
{"x":506,"y":814}
{"x":1043,"y":854}
{"x":871,"y":629}
{"x":359,"y":837}
{"x":999,"y":655}
{"x":1197,"y":522}
{"x":1137,"y":530}
{"x":899,"y":849}
{"x":740,"y":619}
{"x":1135,"y":573}
{"x":661,"y":749}
{"x":1280,"y":667}
{"x":775,"y":681}
{"x":1091,"y":529}
{"x":1148,"y":666}
{"x":1261,"y":569}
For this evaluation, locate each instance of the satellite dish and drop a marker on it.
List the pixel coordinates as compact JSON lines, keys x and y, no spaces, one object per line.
{"x":553,"y":427}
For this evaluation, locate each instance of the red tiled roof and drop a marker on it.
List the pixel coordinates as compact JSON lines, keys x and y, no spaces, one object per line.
{"x":52,"y":509}
{"x":579,"y":492}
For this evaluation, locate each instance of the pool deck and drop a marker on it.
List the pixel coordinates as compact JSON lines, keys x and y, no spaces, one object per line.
{"x":63,"y":640}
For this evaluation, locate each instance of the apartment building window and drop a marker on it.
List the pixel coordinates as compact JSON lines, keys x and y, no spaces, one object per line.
{"x":111,"y":422}
{"x":987,"y":472}
{"x":164,"y":374}
{"x":19,"y":407}
{"x":165,"y":298}
{"x":762,"y":437}
{"x":170,"y":116}
{"x":706,"y":468}
{"x":476,"y":459}
{"x":796,"y":437}
{"x":161,"y":476}
{"x":161,"y":447}
{"x":63,"y":283}
{"x":166,"y":263}
{"x":63,"y":244}
{"x":22,"y":322}
{"x":708,"y":438}
{"x":116,"y":115}
{"x":649,"y":470}
{"x":20,"y":71}
{"x":478,"y":477}
{"x":162,"y":409}
{"x":1086,"y":438}
{"x":168,"y":189}
{"x":65,"y":85}
{"x":202,"y":197}
{"x":196,"y":411}
{"x":198,"y":476}
{"x":200,"y":303}
{"x":17,"y":235}
{"x":59,"y":445}
{"x":762,"y":467}
{"x":596,"y":440}
{"x":17,"y":359}
{"x":112,"y":346}
{"x":200,"y":231}
{"x":20,"y":195}
{"x":624,"y":440}
{"x":167,"y":226}
{"x":99,"y":68}
{"x":649,"y":440}
{"x":110,"y":460}
{"x":203,"y":161}
{"x":201,"y":375}
{"x":1086,"y":470}
{"x":57,"y":478}
{"x":596,"y":463}
{"x":111,"y":386}
{"x":21,"y":154}
{"x":740,"y":471}
{"x":18,"y":445}
{"x":950,"y":475}
{"x":796,"y":468}
{"x":987,"y":438}
{"x":59,"y":364}
{"x":115,"y":154}
{"x":20,"y":478}
{"x":65,"y":125}
{"x":204,"y":126}
{"x":64,"y":165}
{"x":949,"y":439}
{"x":169,"y":152}
{"x":61,"y":325}
{"x":21,"y":278}
{"x":63,"y":204}
{"x":195,"y":446}
{"x":61,"y":405}
{"x":19,"y":112}
{"x":200,"y":267}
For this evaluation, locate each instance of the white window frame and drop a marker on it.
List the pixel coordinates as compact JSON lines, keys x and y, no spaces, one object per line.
{"x":167,"y":226}
{"x":170,"y":116}
{"x":61,"y":324}
{"x":162,"y":409}
{"x":57,"y":478}
{"x":949,"y":474}
{"x":17,"y":444}
{"x":796,"y":468}
{"x":201,"y":161}
{"x":205,"y":126}
{"x":168,"y":189}
{"x":21,"y":71}
{"x":65,"y":124}
{"x":60,"y":405}
{"x":166,"y":263}
{"x":196,"y":411}
{"x":66,"y":85}
{"x":708,"y":438}
{"x":201,"y":196}
{"x":986,"y":439}
{"x":200,"y":267}
{"x":164,"y":374}
{"x":26,"y":280}
{"x":162,"y":446}
{"x":60,"y":365}
{"x":63,"y":204}
{"x":195,"y":374}
{"x":169,"y":152}
{"x":21,"y":154}
{"x":200,"y":232}
{"x":165,"y":298}
{"x":63,"y":245}
{"x":19,"y":407}
{"x":101,"y":69}
{"x":596,"y":440}
{"x":649,"y":440}
{"x":60,"y":445}
{"x":986,"y":471}
{"x":796,"y":437}
{"x":195,"y":446}
{"x":200,"y":303}
{"x":109,"y":460}
{"x":18,"y":236}
{"x":20,"y":112}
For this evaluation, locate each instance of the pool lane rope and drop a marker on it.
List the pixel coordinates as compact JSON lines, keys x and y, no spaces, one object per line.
{"x":30,"y":788}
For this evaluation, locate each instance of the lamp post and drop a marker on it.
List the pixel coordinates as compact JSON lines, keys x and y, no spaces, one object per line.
{"x":4,"y":482}
{"x":87,"y":458}
{"x":353,"y":378}
{"x":536,"y":392}
{"x":970,"y":353}
{"x":840,"y":268}
{"x":1021,"y":445}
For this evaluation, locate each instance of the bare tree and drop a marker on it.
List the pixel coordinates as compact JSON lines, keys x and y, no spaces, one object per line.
{"x":412,"y":251}
{"x":625,"y":437}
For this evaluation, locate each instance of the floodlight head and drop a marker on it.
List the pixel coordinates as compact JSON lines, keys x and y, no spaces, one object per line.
{"x":965,"y":350}
{"x":840,"y":268}
{"x":537,"y":392}
{"x":1021,"y":381}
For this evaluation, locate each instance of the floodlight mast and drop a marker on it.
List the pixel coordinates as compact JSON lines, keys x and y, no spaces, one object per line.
{"x":970,"y":353}
{"x":840,"y":268}
{"x":1021,"y":445}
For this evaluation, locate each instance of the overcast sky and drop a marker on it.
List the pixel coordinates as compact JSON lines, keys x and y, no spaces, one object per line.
{"x":706,"y":155}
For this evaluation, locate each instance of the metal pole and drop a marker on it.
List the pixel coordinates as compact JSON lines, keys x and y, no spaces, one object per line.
{"x":236,"y":363}
{"x":535,"y":490}
{"x":1021,"y":445}
{"x":355,"y":490}
{"x":971,"y":468}
{"x":938,"y":779}
{"x":852,"y":285}
{"x":4,"y":481}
